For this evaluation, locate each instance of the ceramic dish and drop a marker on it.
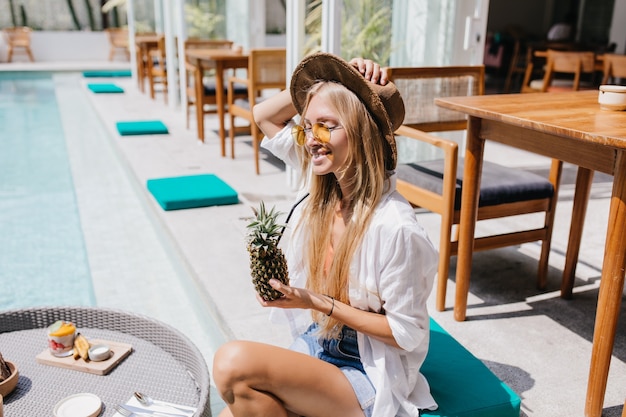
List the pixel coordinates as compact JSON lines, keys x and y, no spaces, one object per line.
{"x":612,"y":97}
{"x":9,"y":384}
{"x":78,"y":405}
{"x":99,"y":353}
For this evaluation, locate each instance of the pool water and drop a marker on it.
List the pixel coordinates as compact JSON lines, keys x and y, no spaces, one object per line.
{"x":43,"y":260}
{"x":76,"y":226}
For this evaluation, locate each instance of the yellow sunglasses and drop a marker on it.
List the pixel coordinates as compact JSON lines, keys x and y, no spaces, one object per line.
{"x":320,"y":132}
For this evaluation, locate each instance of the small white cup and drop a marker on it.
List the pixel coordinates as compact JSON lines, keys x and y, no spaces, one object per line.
{"x":612,"y":97}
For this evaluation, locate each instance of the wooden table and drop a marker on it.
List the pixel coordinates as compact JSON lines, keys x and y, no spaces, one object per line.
{"x":220,"y":60}
{"x":570,"y":127}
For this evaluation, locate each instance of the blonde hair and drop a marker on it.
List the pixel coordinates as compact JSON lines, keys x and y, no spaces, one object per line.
{"x":368,"y":181}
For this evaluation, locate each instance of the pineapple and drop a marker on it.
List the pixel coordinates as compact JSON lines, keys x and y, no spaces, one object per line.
{"x":267,"y":260}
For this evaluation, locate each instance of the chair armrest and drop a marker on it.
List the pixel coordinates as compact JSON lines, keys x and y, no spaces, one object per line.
{"x":449,"y":147}
{"x":231,"y":88}
{"x":233,"y":80}
{"x":444,"y":202}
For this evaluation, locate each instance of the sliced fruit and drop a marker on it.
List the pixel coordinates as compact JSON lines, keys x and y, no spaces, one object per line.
{"x":66,"y":328}
{"x":82,"y":346}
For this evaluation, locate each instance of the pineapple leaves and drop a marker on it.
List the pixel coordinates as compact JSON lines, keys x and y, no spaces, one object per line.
{"x":264,"y":230}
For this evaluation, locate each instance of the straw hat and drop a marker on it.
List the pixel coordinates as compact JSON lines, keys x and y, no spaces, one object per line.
{"x":382,"y":101}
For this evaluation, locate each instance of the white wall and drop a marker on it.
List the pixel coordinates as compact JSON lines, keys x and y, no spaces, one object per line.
{"x":66,"y":46}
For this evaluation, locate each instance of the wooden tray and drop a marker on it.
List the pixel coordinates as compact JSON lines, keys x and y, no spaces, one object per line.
{"x":119,"y":352}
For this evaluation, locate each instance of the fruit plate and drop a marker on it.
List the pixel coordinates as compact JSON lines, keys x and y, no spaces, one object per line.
{"x":9,"y":384}
{"x":119,"y":351}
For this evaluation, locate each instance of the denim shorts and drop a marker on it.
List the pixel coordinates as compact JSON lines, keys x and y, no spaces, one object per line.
{"x":343,"y":353}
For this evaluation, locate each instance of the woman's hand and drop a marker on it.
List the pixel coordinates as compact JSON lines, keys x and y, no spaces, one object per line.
{"x":373,"y":324}
{"x":371,"y":70}
{"x":297,"y":298}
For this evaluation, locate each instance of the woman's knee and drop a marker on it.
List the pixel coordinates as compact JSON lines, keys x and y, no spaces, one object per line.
{"x":233,"y":361}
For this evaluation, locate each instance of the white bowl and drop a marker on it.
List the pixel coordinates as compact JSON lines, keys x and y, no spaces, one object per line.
{"x":612,"y":97}
{"x":99,"y":353}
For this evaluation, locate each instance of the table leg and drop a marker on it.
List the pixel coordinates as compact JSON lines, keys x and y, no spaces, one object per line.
{"x":140,"y":68}
{"x":584,"y":179}
{"x":199,"y":87}
{"x":469,"y":211}
{"x":610,"y":295}
{"x":219,"y":99}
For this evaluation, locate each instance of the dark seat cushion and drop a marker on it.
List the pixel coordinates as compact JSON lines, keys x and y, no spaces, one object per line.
{"x":211,"y":90}
{"x":244,"y":103}
{"x":498,"y":184}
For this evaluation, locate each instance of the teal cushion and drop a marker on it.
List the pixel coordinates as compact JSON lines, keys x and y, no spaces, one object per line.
{"x":461,"y":384}
{"x":107,"y":73}
{"x":191,"y":191}
{"x":142,"y":127}
{"x":105,"y":88}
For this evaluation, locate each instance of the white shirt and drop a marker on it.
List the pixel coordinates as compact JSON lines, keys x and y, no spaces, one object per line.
{"x":392,"y":271}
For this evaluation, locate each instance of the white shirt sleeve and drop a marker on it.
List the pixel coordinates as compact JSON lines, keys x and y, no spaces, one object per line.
{"x":283,"y":147}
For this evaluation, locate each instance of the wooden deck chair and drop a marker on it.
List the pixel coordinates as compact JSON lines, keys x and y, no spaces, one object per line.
{"x":614,"y":68}
{"x":18,"y":40}
{"x":435,"y":185}
{"x":207,"y":102}
{"x":267,"y":72}
{"x":118,"y":42}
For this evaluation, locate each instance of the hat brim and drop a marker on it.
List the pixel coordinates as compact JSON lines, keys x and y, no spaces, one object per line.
{"x":328,"y":67}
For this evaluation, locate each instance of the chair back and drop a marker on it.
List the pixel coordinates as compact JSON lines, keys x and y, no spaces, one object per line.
{"x":118,"y":37}
{"x":267,"y":69}
{"x":197,"y":43}
{"x":419,"y":86}
{"x":160,"y":49}
{"x":18,"y":36}
{"x":614,"y":67}
{"x":574,"y":63}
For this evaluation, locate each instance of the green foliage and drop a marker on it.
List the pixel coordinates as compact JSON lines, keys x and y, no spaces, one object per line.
{"x":92,"y":21}
{"x":70,"y":6}
{"x":13,"y":17}
{"x":24,"y":16}
{"x":365,"y":29}
{"x":313,"y":26}
{"x":203,"y":21}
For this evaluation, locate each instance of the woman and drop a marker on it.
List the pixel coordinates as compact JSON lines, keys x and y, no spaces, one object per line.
{"x":361,"y":268}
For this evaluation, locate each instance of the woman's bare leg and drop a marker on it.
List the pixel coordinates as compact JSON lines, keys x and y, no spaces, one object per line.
{"x":256,"y":379}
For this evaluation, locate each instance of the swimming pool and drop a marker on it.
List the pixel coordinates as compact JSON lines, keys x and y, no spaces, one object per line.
{"x":43,"y":259}
{"x":78,"y":229}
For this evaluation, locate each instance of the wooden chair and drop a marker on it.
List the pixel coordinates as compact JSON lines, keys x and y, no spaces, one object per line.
{"x":157,"y":68}
{"x":207,"y":102}
{"x":144,"y":42}
{"x":118,"y":42}
{"x":435,"y":185}
{"x":614,"y":67}
{"x":18,"y":40}
{"x":266,"y":71}
{"x":569,"y":63}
